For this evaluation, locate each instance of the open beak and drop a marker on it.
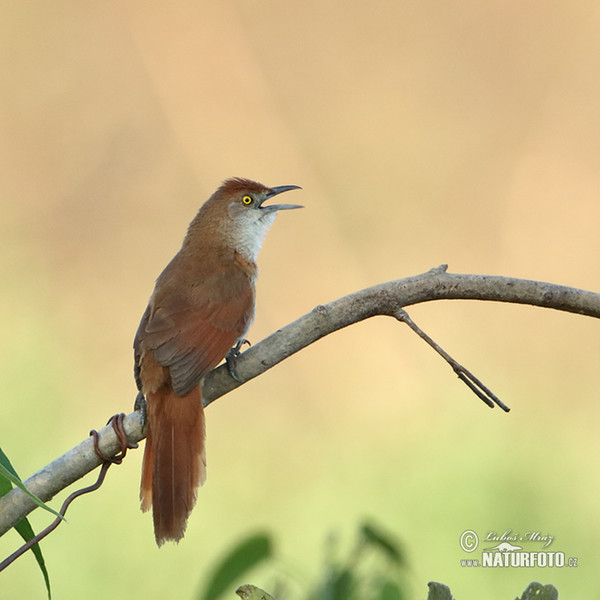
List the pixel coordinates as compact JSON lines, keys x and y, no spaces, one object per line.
{"x":279,"y":190}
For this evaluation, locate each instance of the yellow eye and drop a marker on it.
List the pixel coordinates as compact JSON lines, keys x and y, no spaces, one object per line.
{"x":247,"y":200}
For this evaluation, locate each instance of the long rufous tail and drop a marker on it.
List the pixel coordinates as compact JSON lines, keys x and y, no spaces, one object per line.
{"x":174,"y":460}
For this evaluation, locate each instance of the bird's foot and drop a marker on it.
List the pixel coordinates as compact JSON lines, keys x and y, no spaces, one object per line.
{"x":141,"y":405}
{"x":231,"y":359}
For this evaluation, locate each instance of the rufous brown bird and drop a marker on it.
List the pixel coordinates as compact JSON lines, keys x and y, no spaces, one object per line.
{"x":200,"y":311}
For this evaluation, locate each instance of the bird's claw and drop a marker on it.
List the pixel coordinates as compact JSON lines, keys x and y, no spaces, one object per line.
{"x":231,"y":359}
{"x":141,"y":405}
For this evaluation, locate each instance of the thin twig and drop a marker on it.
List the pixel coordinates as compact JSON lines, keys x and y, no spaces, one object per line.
{"x":478,"y":388}
{"x":42,"y":534}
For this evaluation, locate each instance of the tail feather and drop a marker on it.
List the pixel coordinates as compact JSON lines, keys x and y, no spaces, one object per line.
{"x":174,"y":460}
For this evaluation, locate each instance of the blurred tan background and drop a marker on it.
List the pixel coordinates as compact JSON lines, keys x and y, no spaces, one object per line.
{"x":422,"y":132}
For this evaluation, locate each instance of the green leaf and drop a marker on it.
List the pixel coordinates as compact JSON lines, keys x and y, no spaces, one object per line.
{"x":537,"y":591}
{"x":26,"y":532}
{"x":245,"y":556}
{"x":438,"y":591}
{"x":377,"y":538}
{"x":5,"y":485}
{"x":389,"y":591}
{"x":337,"y":586}
{"x":8,"y":475}
{"x":341,"y":588}
{"x":251,"y":592}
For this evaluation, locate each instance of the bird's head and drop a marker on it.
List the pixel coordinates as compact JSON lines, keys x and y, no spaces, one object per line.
{"x":239,"y":210}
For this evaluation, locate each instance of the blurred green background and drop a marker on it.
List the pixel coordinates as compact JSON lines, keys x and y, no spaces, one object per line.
{"x":422,"y":132}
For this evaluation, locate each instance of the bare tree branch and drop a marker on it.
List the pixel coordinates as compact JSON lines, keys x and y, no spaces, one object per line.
{"x":384,"y":299}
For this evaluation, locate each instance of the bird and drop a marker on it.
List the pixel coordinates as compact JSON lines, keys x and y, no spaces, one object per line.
{"x":198,"y":314}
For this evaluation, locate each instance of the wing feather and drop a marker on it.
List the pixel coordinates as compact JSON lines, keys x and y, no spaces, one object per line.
{"x":190,"y":333}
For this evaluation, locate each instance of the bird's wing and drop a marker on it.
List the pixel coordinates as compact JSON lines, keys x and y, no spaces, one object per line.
{"x":190,"y":332}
